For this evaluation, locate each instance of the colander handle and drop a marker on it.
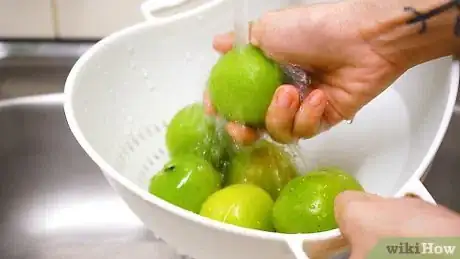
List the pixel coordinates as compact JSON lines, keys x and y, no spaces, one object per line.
{"x":150,"y":7}
{"x":303,"y":249}
{"x":416,"y":188}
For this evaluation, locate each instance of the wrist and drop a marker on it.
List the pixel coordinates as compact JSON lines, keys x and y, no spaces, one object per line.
{"x":387,"y":29}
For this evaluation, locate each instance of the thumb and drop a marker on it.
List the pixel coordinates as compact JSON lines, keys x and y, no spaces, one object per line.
{"x":362,"y":221}
{"x":281,"y":34}
{"x":365,"y":218}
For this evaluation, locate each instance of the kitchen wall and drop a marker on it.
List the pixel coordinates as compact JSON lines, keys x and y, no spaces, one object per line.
{"x":76,"y":19}
{"x":66,"y":19}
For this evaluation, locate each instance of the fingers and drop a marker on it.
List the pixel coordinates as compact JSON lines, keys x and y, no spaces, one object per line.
{"x":224,"y":42}
{"x":357,"y":211}
{"x":241,"y":134}
{"x":281,"y":114}
{"x":341,"y":104}
{"x":347,"y":200}
{"x":264,"y":33}
{"x":357,"y":214}
{"x":308,"y":119}
{"x":286,"y":121}
{"x":208,"y":108}
{"x":270,"y":32}
{"x":331,"y":116}
{"x":365,"y":218}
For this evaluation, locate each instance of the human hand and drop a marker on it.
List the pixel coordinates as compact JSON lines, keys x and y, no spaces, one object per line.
{"x":326,"y":41}
{"x":365,"y":218}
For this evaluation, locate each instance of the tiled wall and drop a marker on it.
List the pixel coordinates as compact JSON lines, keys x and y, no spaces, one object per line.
{"x":76,"y":19}
{"x":26,"y":18}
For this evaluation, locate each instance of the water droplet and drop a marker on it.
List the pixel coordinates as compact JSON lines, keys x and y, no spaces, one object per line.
{"x":132,"y":66}
{"x":150,"y":87}
{"x":199,"y":17}
{"x":131,"y":50}
{"x":188,"y":56}
{"x":349,"y":121}
{"x":145,"y":73}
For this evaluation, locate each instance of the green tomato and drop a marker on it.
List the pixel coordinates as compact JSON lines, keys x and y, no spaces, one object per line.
{"x":264,"y":164}
{"x":186,"y":181}
{"x":306,"y":204}
{"x":242,"y":84}
{"x":243,"y":205}
{"x":191,"y":131}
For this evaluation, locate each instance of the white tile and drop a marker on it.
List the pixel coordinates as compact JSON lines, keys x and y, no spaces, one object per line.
{"x":95,"y":18}
{"x":26,"y":19}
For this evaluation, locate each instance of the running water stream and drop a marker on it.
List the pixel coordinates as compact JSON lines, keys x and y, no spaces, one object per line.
{"x":295,"y":75}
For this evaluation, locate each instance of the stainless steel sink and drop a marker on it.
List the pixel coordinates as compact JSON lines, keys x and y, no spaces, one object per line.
{"x":444,"y":176}
{"x":55,"y":203}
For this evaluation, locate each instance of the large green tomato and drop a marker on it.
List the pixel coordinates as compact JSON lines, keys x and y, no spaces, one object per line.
{"x":264,"y":164}
{"x":306,"y":204}
{"x":243,"y":205}
{"x":242,"y":84}
{"x":186,"y":181}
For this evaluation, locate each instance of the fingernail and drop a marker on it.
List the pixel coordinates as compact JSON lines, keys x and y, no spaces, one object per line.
{"x":255,"y":42}
{"x":412,"y":195}
{"x":323,"y":127}
{"x":241,"y":135}
{"x":314,"y":99}
{"x":256,"y":33}
{"x":283,"y":99}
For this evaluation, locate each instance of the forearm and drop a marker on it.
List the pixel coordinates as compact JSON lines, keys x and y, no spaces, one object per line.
{"x":404,"y":37}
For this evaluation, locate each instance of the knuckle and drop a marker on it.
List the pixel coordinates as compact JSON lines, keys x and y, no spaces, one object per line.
{"x":282,"y":138}
{"x":305,"y":132}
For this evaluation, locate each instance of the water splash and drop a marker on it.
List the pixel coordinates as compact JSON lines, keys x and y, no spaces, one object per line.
{"x":131,"y":50}
{"x":294,"y":74}
{"x":295,"y":151}
{"x":145,"y":73}
{"x":241,"y":22}
{"x":188,"y":56}
{"x":151,"y":87}
{"x":297,"y":77}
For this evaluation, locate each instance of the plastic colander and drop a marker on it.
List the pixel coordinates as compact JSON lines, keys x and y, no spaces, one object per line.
{"x":122,"y":93}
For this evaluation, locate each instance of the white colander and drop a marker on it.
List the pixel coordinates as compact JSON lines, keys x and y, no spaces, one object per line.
{"x":124,"y":90}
